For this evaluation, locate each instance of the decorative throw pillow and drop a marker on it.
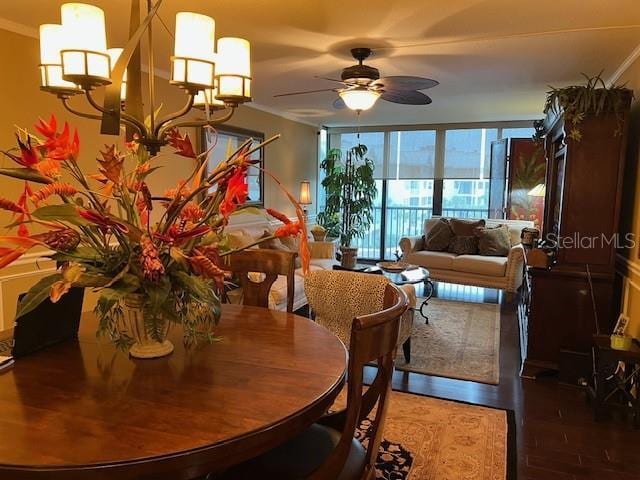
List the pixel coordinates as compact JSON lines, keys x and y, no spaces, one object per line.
{"x":277,"y":244}
{"x":464,"y":245}
{"x":494,"y":242}
{"x":439,"y":237}
{"x":465,"y":228}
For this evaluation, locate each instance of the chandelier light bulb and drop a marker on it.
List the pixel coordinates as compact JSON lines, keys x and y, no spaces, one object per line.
{"x":359,"y":98}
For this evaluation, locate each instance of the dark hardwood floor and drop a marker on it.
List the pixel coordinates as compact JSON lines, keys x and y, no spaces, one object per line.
{"x":557,"y":438}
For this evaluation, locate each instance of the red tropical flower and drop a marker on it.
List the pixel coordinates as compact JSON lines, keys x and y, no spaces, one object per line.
{"x":47,"y":129}
{"x":102,"y":221}
{"x":182,"y":143}
{"x":290,"y":229}
{"x":28,"y":154}
{"x":236,"y":193}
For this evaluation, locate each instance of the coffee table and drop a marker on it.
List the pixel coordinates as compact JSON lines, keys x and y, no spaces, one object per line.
{"x":415,"y":276}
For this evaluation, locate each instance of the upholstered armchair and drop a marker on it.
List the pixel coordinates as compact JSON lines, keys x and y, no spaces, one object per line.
{"x":337,"y":297}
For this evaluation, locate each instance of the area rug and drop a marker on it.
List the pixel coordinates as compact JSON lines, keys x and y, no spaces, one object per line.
{"x":426,"y":438}
{"x":462,"y":340}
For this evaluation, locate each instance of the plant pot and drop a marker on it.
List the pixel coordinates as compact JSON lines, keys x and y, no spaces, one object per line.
{"x":318,"y":236}
{"x":349,"y":257}
{"x":145,"y":345}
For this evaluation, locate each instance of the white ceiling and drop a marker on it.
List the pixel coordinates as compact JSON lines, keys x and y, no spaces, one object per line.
{"x":494,"y":59}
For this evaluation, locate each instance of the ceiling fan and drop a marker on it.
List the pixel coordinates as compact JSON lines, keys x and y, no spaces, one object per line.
{"x":362,"y":86}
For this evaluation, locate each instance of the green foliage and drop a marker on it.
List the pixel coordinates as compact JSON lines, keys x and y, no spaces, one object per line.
{"x":37,"y":294}
{"x":350,"y":191}
{"x":594,"y":98}
{"x":64,"y":212}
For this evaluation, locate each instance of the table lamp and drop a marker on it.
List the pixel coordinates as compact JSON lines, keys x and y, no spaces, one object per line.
{"x":305,"y":196}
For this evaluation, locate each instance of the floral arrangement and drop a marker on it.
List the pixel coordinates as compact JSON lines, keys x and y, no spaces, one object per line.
{"x":100,"y":232}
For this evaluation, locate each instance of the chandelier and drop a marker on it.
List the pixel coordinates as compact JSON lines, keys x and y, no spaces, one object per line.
{"x":75,"y":61}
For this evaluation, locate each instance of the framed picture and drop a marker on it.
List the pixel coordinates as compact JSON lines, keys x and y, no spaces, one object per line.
{"x":226,"y":139}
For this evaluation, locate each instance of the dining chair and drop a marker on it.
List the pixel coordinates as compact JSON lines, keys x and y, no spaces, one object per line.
{"x":336,"y":299}
{"x":328,"y":450}
{"x":249,"y":264}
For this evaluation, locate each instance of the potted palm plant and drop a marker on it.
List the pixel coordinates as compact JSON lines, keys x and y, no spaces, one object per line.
{"x":350,"y":191}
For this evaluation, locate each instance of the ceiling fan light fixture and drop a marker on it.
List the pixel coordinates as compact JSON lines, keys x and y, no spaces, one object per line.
{"x":359,"y":99}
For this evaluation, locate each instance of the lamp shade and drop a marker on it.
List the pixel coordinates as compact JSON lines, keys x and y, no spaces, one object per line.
{"x":305,"y":192}
{"x":51,"y":42}
{"x":207,"y":97}
{"x":359,"y":98}
{"x":233,"y":69}
{"x":193,"y":50}
{"x":84,"y":52}
{"x":114,"y":54}
{"x":538,"y":191}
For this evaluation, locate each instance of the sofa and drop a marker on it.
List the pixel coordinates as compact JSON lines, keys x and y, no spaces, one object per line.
{"x":503,"y":273}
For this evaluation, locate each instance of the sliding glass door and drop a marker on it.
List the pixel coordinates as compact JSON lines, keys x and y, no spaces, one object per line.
{"x":421,"y":173}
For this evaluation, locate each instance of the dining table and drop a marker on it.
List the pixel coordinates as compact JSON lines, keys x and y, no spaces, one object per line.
{"x":83,"y":409}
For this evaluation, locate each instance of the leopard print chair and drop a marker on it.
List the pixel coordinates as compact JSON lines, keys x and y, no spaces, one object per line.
{"x":337,"y":297}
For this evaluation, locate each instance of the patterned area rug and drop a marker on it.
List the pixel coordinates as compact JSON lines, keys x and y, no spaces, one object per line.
{"x":462,"y":340}
{"x":431,"y":439}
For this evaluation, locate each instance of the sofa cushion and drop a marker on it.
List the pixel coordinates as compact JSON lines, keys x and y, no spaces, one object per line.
{"x":462,"y":245}
{"x":465,"y":228}
{"x":439,"y":236}
{"x":438,"y":260}
{"x":491,"y":266}
{"x":493,"y":241}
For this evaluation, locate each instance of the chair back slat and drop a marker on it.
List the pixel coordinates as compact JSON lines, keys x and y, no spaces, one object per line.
{"x":271,"y":263}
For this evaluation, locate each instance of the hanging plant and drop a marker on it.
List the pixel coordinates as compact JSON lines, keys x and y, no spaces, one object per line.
{"x":594,"y":98}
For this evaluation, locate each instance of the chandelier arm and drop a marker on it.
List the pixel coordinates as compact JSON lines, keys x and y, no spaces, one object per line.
{"x":65,"y":103}
{"x":124,"y":117}
{"x":111,"y":119}
{"x":197,"y":123}
{"x":183,"y":111}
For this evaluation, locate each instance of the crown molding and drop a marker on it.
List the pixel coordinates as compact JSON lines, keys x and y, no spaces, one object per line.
{"x":626,"y":63}
{"x":280,"y":113}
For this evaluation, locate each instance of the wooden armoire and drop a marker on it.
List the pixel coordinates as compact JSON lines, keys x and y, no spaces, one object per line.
{"x":562,"y":306}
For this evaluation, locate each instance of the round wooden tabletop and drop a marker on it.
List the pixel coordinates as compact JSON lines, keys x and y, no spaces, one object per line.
{"x":82,"y":410}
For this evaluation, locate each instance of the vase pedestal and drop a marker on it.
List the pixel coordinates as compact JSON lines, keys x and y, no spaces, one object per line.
{"x":151,"y":349}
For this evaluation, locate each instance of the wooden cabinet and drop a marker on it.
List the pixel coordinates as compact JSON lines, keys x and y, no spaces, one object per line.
{"x":561,"y":306}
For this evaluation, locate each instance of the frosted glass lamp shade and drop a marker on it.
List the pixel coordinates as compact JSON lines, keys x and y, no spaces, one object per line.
{"x":51,"y":42}
{"x":359,"y":98}
{"x":305,"y":193}
{"x":114,"y":55}
{"x":192,"y":63}
{"x":233,"y":69}
{"x":208,"y":97}
{"x":84,"y":54}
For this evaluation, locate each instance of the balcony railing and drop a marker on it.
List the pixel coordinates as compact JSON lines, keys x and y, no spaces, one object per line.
{"x":403,"y":222}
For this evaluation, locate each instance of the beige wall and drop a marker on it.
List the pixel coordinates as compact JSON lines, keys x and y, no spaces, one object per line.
{"x":292,"y":158}
{"x":630,"y":258}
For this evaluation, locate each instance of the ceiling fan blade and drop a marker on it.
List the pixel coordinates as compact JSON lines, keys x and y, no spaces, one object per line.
{"x":305,"y":92}
{"x":339,"y":104}
{"x":405,"y":83}
{"x":330,"y":79}
{"x":405,"y":97}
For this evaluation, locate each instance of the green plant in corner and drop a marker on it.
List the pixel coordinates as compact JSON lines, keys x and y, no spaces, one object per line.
{"x":594,"y":98}
{"x":350,"y":191}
